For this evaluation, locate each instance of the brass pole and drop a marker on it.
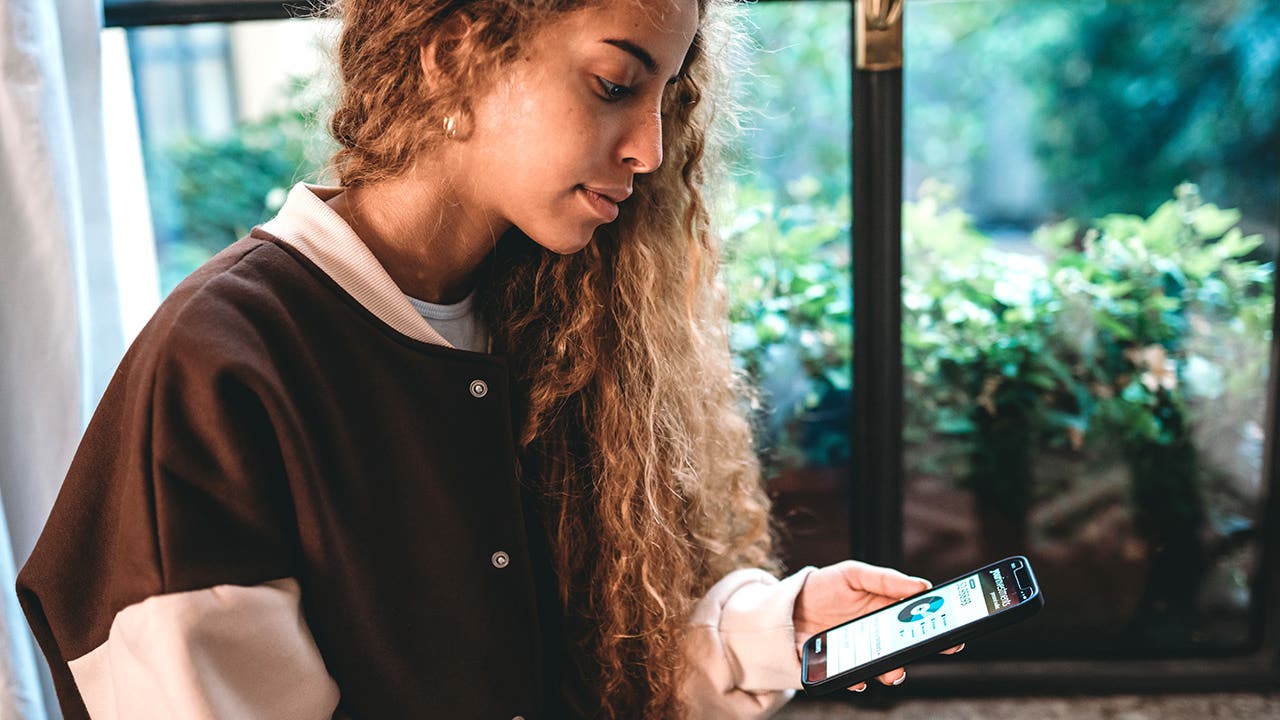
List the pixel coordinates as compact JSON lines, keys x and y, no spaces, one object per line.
{"x":878,"y":34}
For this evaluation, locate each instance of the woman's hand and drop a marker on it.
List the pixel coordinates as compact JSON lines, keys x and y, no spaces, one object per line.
{"x":841,"y":592}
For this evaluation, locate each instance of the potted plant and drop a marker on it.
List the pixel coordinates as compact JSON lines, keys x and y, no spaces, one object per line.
{"x":979,"y":379}
{"x":1148,"y":284}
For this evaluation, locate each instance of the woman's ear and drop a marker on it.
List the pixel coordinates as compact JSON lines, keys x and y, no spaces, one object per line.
{"x":439,"y":54}
{"x":444,"y":58}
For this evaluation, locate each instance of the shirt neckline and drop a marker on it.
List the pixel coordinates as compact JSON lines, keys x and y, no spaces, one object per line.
{"x":308,"y":224}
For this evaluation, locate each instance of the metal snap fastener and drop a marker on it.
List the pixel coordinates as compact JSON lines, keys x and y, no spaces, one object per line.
{"x":479,"y":388}
{"x":500,"y":559}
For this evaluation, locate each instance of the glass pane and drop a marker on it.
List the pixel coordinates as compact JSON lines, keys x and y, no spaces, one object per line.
{"x":788,"y":266}
{"x":1088,"y":292}
{"x":229,"y":118}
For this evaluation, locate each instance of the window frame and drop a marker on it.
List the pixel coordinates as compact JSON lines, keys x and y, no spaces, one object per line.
{"x":140,"y":13}
{"x":876,"y":498}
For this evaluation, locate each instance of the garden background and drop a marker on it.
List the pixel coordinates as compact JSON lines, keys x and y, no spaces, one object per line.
{"x":1089,"y":241}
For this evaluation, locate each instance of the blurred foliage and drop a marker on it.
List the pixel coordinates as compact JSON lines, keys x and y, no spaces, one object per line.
{"x":1124,"y":100}
{"x":976,"y":323}
{"x":1167,"y":294}
{"x":787,"y":274}
{"x":1118,"y":337}
{"x":1134,"y":341}
{"x":1127,"y":99}
{"x":1123,"y":335}
{"x":1177,"y":308}
{"x":786,"y":231}
{"x":988,"y":320}
{"x":1156,"y":91}
{"x":797,"y":101}
{"x":206,"y":193}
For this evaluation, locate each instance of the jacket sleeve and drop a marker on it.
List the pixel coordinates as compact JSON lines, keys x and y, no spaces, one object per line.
{"x":741,"y":649}
{"x":165,"y":582}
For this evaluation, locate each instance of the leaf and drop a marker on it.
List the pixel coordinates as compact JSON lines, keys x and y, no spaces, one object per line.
{"x":1211,"y":222}
{"x":1040,"y":380}
{"x":1235,"y":244}
{"x":1113,"y":326}
{"x":841,"y":378}
{"x":804,"y":188}
{"x":955,"y":425}
{"x":1135,"y":393}
{"x":1162,"y":230}
{"x":1056,"y":237}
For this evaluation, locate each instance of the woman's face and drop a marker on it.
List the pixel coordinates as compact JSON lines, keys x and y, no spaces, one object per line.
{"x":568,"y":125}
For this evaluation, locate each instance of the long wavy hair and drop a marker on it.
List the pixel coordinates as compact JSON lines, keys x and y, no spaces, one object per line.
{"x":635,"y":427}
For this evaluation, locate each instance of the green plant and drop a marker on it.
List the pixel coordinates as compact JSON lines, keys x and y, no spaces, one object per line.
{"x":1153,"y":290}
{"x":1125,"y":339}
{"x":206,"y":193}
{"x":787,"y":273}
{"x":978,"y":378}
{"x":1160,"y":90}
{"x":796,"y":92}
{"x":1174,"y":300}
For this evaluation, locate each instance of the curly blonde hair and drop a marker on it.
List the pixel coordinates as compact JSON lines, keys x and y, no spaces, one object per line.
{"x":634,"y":427}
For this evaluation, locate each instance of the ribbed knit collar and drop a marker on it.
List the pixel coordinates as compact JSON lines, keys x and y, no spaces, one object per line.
{"x":307,"y":223}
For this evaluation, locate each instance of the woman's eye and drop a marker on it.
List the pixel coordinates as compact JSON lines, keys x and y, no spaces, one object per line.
{"x":613,"y":91}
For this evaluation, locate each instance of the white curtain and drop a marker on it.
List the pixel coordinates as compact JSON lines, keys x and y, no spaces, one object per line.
{"x":61,"y":332}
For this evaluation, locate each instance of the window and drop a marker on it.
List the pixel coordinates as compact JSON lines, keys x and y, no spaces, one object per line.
{"x":1090,"y":216}
{"x":223,"y":106}
{"x":1088,"y":288}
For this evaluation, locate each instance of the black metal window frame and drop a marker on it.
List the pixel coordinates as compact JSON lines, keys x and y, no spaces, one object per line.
{"x":876,"y":490}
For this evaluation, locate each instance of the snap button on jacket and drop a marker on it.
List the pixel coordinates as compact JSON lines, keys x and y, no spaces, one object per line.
{"x":266,"y":426}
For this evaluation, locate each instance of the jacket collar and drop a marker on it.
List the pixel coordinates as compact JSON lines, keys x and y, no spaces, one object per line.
{"x":307,"y":223}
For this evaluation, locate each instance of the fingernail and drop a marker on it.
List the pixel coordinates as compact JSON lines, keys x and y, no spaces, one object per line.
{"x":901,"y":679}
{"x":860,"y":688}
{"x":959,"y":647}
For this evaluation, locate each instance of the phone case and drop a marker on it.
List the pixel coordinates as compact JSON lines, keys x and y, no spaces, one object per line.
{"x":951,"y":638}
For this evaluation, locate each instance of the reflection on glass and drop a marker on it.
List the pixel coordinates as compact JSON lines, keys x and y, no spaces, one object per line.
{"x":787,"y":266}
{"x":228,"y":117}
{"x":222,"y":159}
{"x":1088,"y":295}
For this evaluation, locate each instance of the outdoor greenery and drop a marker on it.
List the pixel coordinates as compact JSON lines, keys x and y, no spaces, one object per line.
{"x":1105,"y":335}
{"x":207,"y":192}
{"x":787,"y":274}
{"x":1119,"y":101}
{"x":1101,"y":309}
{"x":1133,"y":340}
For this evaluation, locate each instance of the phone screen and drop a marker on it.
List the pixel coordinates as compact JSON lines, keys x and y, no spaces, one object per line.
{"x":914,"y":620}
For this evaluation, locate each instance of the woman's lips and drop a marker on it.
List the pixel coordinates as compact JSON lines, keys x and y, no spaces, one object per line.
{"x":599,"y":203}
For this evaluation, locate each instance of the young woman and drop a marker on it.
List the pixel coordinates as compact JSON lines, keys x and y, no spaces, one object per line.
{"x":459,"y":437}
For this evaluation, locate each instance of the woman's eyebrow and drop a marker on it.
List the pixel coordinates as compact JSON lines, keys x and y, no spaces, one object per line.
{"x":640,"y":54}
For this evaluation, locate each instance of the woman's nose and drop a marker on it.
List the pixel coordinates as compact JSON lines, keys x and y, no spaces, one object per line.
{"x":642,"y":146}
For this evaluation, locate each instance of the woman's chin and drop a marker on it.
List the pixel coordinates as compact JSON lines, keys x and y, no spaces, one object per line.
{"x":565,"y":244}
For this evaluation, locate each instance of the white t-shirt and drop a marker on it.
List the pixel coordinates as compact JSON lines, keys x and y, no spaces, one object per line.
{"x":459,"y":323}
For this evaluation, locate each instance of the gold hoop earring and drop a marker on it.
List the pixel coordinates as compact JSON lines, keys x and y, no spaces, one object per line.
{"x":450,"y":127}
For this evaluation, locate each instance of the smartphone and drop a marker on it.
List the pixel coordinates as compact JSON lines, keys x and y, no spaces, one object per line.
{"x":944,"y":616}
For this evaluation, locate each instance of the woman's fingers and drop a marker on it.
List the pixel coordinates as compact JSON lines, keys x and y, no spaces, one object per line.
{"x":881,"y":580}
{"x":859,"y":687}
{"x":894,"y":677}
{"x":897,"y":677}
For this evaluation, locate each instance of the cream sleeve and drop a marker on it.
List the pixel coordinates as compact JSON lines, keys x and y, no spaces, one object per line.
{"x":741,"y":648}
{"x":214,"y":654}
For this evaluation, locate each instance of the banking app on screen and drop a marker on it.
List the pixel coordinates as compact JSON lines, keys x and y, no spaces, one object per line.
{"x":911,"y":621}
